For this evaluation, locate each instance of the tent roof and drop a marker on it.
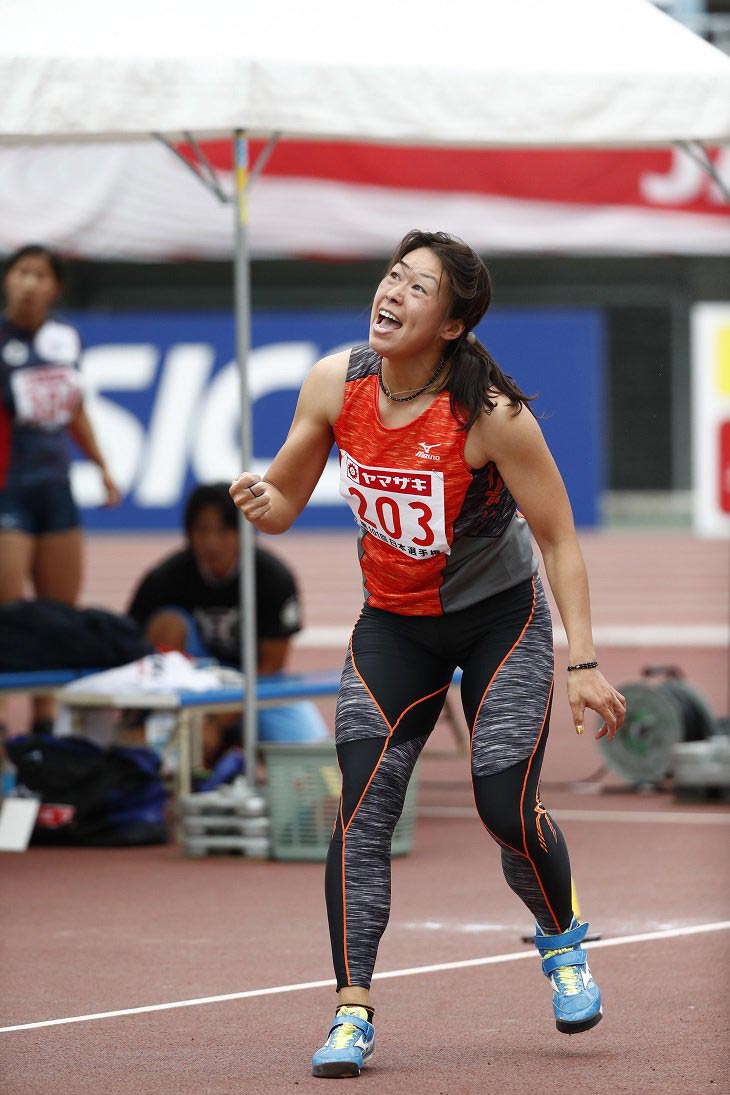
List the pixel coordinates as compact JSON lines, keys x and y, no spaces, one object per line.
{"x":461,"y":72}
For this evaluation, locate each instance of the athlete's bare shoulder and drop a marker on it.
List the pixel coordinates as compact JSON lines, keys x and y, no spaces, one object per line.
{"x":501,"y":401}
{"x":334,"y":366}
{"x":505,"y":425}
{"x":324,"y":387}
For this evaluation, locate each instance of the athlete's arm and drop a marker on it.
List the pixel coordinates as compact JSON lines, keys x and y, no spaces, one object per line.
{"x":83,"y":434}
{"x":273,"y":503}
{"x":516,"y":445}
{"x":273,"y":655}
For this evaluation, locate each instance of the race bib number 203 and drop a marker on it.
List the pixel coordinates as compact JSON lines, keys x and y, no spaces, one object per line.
{"x":402,"y":508}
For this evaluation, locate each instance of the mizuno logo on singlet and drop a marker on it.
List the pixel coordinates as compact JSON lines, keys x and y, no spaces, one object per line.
{"x":425,"y":453}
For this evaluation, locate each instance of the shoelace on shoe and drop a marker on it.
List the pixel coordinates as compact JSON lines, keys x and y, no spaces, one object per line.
{"x":342,"y":1034}
{"x":568,"y":977}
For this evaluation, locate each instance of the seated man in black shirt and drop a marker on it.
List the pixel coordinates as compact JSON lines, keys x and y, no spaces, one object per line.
{"x":190,"y":602}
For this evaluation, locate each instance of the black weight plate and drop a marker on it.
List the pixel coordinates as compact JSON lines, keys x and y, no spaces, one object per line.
{"x":698,"y":719}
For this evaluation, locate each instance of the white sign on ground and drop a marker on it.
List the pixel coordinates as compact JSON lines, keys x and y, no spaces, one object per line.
{"x":17,"y":818}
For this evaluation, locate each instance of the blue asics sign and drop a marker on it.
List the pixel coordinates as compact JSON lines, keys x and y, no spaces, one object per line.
{"x":162,"y":390}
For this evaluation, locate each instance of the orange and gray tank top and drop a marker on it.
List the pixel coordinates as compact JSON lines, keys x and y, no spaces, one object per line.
{"x":435,"y":535}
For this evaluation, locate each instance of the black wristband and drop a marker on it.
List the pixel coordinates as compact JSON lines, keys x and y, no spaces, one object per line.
{"x":583,"y":665}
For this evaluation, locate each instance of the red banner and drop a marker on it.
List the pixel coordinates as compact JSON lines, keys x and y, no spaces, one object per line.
{"x":724,"y":467}
{"x":659,"y":178}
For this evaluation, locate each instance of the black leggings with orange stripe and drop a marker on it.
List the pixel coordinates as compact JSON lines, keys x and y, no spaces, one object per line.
{"x":394,"y":683}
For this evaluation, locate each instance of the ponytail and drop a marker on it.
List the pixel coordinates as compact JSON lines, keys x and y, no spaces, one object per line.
{"x":473,"y":375}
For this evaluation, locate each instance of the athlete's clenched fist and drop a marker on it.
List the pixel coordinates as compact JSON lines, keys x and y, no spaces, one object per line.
{"x":251,"y":496}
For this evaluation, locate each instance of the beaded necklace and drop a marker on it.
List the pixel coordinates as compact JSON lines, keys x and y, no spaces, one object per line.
{"x":399,"y":397}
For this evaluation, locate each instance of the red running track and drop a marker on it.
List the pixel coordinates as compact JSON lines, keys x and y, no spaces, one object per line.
{"x":92,"y":931}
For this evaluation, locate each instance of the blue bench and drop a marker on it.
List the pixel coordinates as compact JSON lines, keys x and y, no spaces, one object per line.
{"x":271,"y":691}
{"x":40,"y":680}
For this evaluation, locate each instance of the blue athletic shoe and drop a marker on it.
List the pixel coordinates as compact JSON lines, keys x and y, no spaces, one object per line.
{"x":576,"y":997}
{"x":349,"y":1045}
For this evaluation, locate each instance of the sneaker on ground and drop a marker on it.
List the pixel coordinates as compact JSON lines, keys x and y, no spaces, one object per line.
{"x":349,"y":1045}
{"x":576,"y":997}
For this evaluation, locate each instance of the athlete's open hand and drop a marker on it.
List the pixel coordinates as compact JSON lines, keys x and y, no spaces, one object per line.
{"x":589,"y":688}
{"x":113,"y":493}
{"x":250,"y":494}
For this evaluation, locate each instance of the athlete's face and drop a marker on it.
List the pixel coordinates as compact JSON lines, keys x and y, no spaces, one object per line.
{"x":213,"y":543}
{"x":31,"y":289}
{"x":411,"y":306}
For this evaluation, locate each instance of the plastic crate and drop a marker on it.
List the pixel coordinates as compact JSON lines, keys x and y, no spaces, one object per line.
{"x":304,"y":783}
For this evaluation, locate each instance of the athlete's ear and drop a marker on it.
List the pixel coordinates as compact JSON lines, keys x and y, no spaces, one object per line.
{"x":451,"y":329}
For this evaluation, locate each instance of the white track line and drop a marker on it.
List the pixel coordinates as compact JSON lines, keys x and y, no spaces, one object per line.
{"x":413,"y":971}
{"x":630,"y":816}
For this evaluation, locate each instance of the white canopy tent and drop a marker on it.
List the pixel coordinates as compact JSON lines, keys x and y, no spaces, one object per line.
{"x":528,"y":73}
{"x":470,"y":73}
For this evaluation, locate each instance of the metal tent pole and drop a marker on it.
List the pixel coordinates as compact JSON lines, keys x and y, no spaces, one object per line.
{"x":242,"y":313}
{"x":198,"y":162}
{"x":698,"y":152}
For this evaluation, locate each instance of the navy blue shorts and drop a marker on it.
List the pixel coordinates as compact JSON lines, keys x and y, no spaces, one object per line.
{"x":38,"y":509}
